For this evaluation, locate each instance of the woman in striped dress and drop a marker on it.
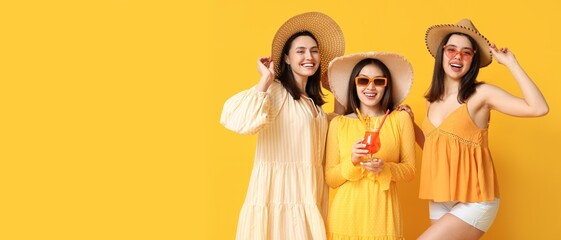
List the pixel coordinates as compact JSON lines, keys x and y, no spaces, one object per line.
{"x":287,"y":195}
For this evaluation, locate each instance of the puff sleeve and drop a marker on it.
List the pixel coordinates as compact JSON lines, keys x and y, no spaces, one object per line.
{"x":249,"y":111}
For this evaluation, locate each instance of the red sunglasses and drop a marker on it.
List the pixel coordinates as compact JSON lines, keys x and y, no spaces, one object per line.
{"x":465,"y":53}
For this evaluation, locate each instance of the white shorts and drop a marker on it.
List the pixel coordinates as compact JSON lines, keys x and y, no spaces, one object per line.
{"x":478,"y":214}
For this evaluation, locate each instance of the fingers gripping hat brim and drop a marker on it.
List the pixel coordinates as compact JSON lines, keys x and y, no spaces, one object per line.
{"x":340,"y":69}
{"x":327,"y":32}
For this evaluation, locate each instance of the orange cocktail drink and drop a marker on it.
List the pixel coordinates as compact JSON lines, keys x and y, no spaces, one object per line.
{"x":372,"y":133}
{"x":372,"y":141}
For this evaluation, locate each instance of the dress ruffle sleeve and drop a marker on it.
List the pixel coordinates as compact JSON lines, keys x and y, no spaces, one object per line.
{"x":251,"y":110}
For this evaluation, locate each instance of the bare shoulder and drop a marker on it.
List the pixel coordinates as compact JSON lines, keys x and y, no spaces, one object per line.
{"x":484,"y":97}
{"x":486,"y":89}
{"x":484,"y":92}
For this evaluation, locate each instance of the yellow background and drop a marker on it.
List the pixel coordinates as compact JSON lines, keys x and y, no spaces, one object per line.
{"x":109,"y":110}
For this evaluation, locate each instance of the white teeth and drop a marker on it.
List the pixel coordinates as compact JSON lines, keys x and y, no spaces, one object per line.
{"x":456,"y":65}
{"x":308,"y":65}
{"x":370,"y":94}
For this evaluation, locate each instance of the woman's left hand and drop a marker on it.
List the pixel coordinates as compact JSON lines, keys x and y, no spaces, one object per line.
{"x":375,"y":165}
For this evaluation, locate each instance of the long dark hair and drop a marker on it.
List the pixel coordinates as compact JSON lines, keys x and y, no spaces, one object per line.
{"x":468,"y":82}
{"x":353,"y":101}
{"x":286,"y":76}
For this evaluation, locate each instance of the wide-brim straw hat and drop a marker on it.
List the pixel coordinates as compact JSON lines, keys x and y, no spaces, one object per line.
{"x":340,"y":69}
{"x":436,"y":33}
{"x":327,"y":32}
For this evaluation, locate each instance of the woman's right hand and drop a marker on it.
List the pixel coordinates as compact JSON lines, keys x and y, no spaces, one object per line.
{"x":266,"y":68}
{"x":358,"y":152}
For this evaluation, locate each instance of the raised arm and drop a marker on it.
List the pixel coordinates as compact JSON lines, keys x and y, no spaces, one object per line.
{"x":532,"y":104}
{"x":253,"y":109}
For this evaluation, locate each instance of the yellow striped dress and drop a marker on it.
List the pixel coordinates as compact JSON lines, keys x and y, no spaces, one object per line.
{"x":287,"y":195}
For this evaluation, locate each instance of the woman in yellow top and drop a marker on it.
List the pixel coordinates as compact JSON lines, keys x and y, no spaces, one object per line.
{"x":287,"y":195}
{"x":365,"y":204}
{"x":457,"y":172}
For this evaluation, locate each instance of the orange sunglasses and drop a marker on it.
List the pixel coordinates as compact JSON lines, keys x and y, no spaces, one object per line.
{"x":364,"y":81}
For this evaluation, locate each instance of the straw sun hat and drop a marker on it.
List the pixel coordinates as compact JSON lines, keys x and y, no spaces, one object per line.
{"x":328,"y":34}
{"x":340,"y":69}
{"x":436,"y":33}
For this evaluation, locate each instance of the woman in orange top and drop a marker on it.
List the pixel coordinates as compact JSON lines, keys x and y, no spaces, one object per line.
{"x":457,"y":172}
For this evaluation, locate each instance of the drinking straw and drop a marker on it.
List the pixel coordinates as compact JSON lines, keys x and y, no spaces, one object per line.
{"x":360,"y":117}
{"x":384,"y":119}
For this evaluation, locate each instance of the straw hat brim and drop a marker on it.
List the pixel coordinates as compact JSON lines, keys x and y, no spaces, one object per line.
{"x":340,"y":69}
{"x":436,"y":33}
{"x":327,"y":32}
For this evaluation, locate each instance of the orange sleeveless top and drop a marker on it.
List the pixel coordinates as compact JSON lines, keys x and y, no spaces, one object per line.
{"x":457,"y":163}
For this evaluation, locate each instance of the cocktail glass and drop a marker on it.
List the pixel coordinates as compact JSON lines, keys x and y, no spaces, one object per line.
{"x":372,"y":133}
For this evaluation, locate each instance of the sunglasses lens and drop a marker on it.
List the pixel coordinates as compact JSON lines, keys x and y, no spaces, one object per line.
{"x":362,"y":81}
{"x":451,"y":51}
{"x":379,"y":81}
{"x":467,"y":52}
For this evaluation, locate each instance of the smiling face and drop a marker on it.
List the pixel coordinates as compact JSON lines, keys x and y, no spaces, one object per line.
{"x":370,"y":95}
{"x":303,"y":57}
{"x":457,"y":56}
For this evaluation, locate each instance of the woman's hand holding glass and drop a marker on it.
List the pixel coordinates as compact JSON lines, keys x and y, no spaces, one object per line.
{"x":374,"y":165}
{"x":360,"y":155}
{"x":359,"y":152}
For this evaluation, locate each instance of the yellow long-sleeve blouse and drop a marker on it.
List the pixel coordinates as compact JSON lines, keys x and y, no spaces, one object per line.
{"x":365,"y":205}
